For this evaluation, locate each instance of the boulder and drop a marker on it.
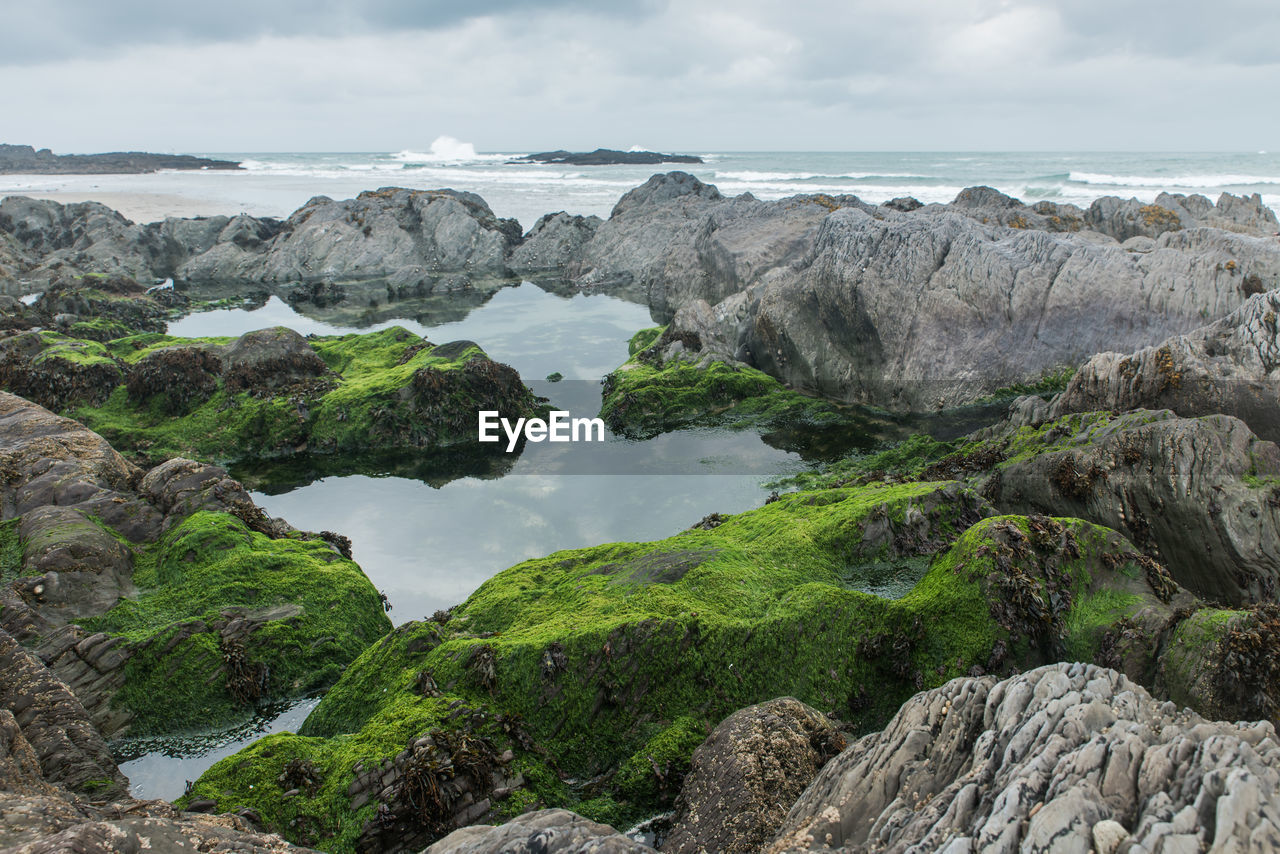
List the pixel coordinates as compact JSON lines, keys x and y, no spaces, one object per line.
{"x":269,"y":360}
{"x":1048,"y":760}
{"x":747,"y":773}
{"x":543,"y":832}
{"x":1201,"y":494}
{"x":1231,"y":366}
{"x":554,"y":243}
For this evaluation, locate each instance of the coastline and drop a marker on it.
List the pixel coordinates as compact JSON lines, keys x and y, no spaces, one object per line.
{"x":139,"y":206}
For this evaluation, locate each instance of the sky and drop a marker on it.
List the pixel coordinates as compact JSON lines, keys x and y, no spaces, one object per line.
{"x":693,"y":75}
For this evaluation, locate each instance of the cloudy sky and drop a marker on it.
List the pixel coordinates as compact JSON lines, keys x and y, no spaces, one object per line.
{"x":696,"y":75}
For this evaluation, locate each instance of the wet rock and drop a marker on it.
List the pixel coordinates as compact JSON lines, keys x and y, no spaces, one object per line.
{"x":1036,"y":763}
{"x":554,"y":243}
{"x":1183,"y":489}
{"x":270,"y":359}
{"x":543,"y":832}
{"x":57,"y":372}
{"x":181,"y":378}
{"x":63,"y":740}
{"x":1231,"y":366}
{"x":747,"y":773}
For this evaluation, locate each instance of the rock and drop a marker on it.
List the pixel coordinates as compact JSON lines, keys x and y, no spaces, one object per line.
{"x":1182,"y":489}
{"x":70,"y":751}
{"x":914,"y":310}
{"x":56,"y":371}
{"x":1107,"y":836}
{"x":25,"y":160}
{"x":554,"y":243}
{"x":1231,"y":366}
{"x":606,"y":157}
{"x":269,"y":360}
{"x":553,"y":831}
{"x":747,"y":773}
{"x":1036,"y":762}
{"x":178,"y":379}
{"x":103,"y":308}
{"x":414,"y":235}
{"x":85,"y":237}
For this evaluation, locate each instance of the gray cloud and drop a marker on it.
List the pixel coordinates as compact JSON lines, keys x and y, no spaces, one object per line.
{"x":693,"y":75}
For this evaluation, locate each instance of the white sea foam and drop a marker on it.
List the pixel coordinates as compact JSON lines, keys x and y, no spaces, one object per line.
{"x":446,"y":149}
{"x":749,"y":175}
{"x":1190,"y":181}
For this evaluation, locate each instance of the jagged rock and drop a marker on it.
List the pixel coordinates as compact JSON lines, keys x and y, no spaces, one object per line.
{"x":85,"y":237}
{"x":542,"y":832}
{"x":747,"y":773}
{"x":410,"y":234}
{"x":913,"y":310}
{"x":53,"y":722}
{"x":1231,"y":367}
{"x":1035,"y":763}
{"x":555,"y":243}
{"x":1183,"y":489}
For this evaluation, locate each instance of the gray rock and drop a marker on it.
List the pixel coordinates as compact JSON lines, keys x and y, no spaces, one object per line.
{"x":1034,"y":764}
{"x":379,"y":234}
{"x":1182,"y":489}
{"x":554,"y":243}
{"x":542,"y":832}
{"x":1231,"y":366}
{"x":913,"y":310}
{"x":747,"y":773}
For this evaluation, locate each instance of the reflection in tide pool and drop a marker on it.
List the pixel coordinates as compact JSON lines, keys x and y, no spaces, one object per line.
{"x":430,"y":538}
{"x":161,"y":767}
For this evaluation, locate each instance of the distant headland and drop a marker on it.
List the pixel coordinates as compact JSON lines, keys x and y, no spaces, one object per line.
{"x":607,"y":157}
{"x":24,"y":159}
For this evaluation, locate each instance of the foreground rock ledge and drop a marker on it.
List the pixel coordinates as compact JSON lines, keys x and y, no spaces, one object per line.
{"x":1067,"y":757}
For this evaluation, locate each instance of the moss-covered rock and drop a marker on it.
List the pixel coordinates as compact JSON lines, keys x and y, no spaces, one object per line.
{"x":225,"y":616}
{"x":266,"y":394}
{"x":664,"y":386}
{"x":612,"y":660}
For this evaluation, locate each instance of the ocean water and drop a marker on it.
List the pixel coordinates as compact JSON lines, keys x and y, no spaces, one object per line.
{"x":275,"y":184}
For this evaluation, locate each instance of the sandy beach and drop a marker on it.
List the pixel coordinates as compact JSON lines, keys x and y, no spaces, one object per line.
{"x":140,"y":207}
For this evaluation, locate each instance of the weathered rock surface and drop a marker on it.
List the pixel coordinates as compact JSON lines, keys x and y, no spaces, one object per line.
{"x":554,"y":243}
{"x":412,"y":237}
{"x":542,"y":832}
{"x":919,"y":309}
{"x":1035,"y":764}
{"x":1201,"y":494}
{"x":1230,"y":367}
{"x":747,"y":773}
{"x":61,"y":791}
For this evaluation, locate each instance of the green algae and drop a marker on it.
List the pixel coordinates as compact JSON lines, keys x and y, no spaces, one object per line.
{"x":386,"y":390}
{"x":645,"y":397}
{"x":618,"y":659}
{"x":305,"y":613}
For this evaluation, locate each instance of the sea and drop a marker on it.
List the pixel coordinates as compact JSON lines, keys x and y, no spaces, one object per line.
{"x":275,"y":184}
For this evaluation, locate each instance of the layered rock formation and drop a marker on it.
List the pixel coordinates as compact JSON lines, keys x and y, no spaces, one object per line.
{"x":1064,"y":758}
{"x":1067,"y":757}
{"x":129,"y":586}
{"x":1231,"y":366}
{"x":914,"y":310}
